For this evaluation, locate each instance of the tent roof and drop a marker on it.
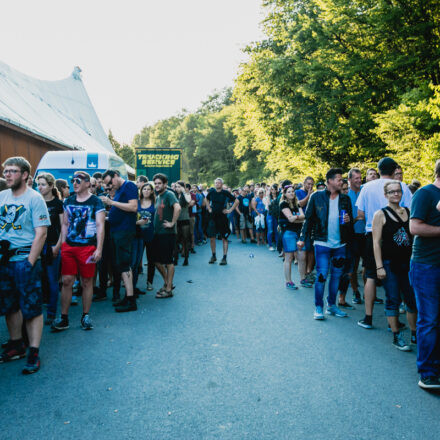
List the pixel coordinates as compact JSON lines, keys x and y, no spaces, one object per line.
{"x":60,"y":111}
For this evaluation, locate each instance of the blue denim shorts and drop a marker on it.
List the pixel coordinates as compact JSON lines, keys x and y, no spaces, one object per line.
{"x":20,"y":289}
{"x":289,"y":241}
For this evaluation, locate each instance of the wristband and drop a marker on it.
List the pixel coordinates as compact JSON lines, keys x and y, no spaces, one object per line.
{"x":378,"y":268}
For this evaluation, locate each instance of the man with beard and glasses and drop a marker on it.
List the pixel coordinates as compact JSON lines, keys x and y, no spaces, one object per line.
{"x":24,"y":219}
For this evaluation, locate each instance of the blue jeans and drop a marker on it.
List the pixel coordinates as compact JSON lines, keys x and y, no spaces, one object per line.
{"x":272,"y":233}
{"x":231,"y":219}
{"x":53,"y":276}
{"x":425,"y":280}
{"x":333,"y":259}
{"x":137,"y":253}
{"x":198,"y":230}
{"x":395,"y":282}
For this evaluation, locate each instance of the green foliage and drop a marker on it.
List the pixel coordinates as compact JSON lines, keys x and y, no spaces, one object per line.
{"x":125,"y":152}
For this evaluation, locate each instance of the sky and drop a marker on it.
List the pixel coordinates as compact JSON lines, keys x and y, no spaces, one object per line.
{"x":142,"y":60}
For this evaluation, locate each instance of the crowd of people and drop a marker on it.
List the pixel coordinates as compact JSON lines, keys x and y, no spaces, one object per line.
{"x":96,"y":237}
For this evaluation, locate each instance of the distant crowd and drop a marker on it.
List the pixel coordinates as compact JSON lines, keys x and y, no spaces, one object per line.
{"x":95,"y":238}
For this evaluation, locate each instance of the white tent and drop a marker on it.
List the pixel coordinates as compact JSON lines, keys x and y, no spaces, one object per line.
{"x":59,"y":111}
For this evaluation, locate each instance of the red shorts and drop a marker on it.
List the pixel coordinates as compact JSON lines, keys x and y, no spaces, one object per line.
{"x":73,"y":260}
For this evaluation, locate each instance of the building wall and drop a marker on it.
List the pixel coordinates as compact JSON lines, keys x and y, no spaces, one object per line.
{"x":13,"y":143}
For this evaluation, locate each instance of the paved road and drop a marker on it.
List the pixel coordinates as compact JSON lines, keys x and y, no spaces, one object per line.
{"x":232,"y":356}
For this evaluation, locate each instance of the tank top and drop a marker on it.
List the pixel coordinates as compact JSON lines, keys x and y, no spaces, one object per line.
{"x":260,"y":205}
{"x":396,"y":238}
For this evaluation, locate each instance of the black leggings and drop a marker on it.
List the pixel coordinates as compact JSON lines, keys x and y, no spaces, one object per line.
{"x":183,"y":237}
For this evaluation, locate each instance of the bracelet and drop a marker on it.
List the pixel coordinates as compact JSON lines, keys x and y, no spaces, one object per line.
{"x":378,"y":268}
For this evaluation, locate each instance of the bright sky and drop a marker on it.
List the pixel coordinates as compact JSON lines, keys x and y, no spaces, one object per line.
{"x":142,"y":60}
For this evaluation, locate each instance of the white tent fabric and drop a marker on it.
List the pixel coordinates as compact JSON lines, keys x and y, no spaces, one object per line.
{"x":60,"y":111}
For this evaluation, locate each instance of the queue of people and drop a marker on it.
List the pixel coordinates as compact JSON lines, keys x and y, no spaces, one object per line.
{"x":98,"y":235}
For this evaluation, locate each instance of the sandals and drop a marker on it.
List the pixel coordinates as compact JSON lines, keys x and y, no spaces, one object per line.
{"x":164,"y":294}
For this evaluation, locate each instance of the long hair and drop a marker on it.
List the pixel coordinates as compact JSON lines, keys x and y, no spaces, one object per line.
{"x":50,"y":179}
{"x":153,"y":195}
{"x":293,"y":204}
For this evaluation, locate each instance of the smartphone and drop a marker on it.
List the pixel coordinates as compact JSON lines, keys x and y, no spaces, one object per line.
{"x":90,"y":260}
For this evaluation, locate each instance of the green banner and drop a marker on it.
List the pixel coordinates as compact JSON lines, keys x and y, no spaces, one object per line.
{"x":150,"y":161}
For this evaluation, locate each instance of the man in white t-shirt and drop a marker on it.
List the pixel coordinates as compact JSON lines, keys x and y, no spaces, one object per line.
{"x":371,"y":199}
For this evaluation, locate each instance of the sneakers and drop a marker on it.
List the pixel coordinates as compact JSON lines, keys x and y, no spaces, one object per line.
{"x":253,"y":240}
{"x":32,"y":364}
{"x":74,"y":301}
{"x":59,"y":325}
{"x":185,"y":262}
{"x":223,"y":262}
{"x":429,"y":383}
{"x":306,"y":283}
{"x":413,"y":339}
{"x":378,"y":300}
{"x":121,"y":302}
{"x":402,"y":308}
{"x":213,"y":259}
{"x":192,"y":250}
{"x":400,"y":343}
{"x":49,"y":319}
{"x":318,"y":315}
{"x":365,"y":324}
{"x":149,"y":287}
{"x":86,"y":322}
{"x":13,"y":350}
{"x":310,"y":277}
{"x":346,"y":305}
{"x":291,"y":286}
{"x":271,"y":248}
{"x":356,"y":298}
{"x":99,"y":297}
{"x":334,"y":310}
{"x":129,"y":306}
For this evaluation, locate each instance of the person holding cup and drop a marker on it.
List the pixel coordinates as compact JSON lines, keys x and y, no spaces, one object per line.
{"x":329,"y":221}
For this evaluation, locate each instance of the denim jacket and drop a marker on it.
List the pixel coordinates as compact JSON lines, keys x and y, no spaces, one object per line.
{"x":316,"y":223}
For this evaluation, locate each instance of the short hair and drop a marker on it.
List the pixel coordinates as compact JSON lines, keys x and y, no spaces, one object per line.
{"x":84,"y":174}
{"x":3,"y":184}
{"x":20,"y":162}
{"x":142,"y":178}
{"x":111,"y":173}
{"x":308,"y":178}
{"x":354,"y":170}
{"x":188,"y":186}
{"x":437,"y":168}
{"x":219,"y":178}
{"x":97,"y":175}
{"x":387,"y":166}
{"x":61,"y":184}
{"x":332,"y":172}
{"x":162,"y":177}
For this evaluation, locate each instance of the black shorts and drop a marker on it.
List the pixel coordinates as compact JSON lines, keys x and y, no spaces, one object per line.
{"x":122,"y":246}
{"x":369,"y":260}
{"x":358,"y":246}
{"x":163,"y":248}
{"x":218,"y":225}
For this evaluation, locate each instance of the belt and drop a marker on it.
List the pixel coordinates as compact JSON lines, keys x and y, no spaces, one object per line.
{"x":25,"y":250}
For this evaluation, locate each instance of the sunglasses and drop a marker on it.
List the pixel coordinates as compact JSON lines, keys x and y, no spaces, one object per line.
{"x":77,"y":180}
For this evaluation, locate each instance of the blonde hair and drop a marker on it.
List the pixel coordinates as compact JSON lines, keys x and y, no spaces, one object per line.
{"x":50,"y":179}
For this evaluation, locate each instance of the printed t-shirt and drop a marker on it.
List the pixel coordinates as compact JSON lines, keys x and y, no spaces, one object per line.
{"x":55,"y":208}
{"x":82,"y":220}
{"x":118,"y":219}
{"x":146,"y":230}
{"x":164,"y":212}
{"x":19,"y":216}
{"x":426,"y":250}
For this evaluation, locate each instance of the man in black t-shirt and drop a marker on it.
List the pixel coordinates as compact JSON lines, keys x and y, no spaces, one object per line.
{"x":216,"y":202}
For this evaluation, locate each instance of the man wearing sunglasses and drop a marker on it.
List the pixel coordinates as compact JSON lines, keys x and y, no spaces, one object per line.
{"x":82,"y":237}
{"x":23,"y":228}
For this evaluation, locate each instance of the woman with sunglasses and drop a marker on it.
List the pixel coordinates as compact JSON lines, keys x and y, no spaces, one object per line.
{"x":291,"y":220}
{"x":51,"y":255}
{"x":183,"y":224}
{"x":392,"y":244}
{"x":144,"y":234}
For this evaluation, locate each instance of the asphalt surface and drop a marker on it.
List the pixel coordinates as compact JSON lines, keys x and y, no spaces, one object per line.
{"x":234,"y":355}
